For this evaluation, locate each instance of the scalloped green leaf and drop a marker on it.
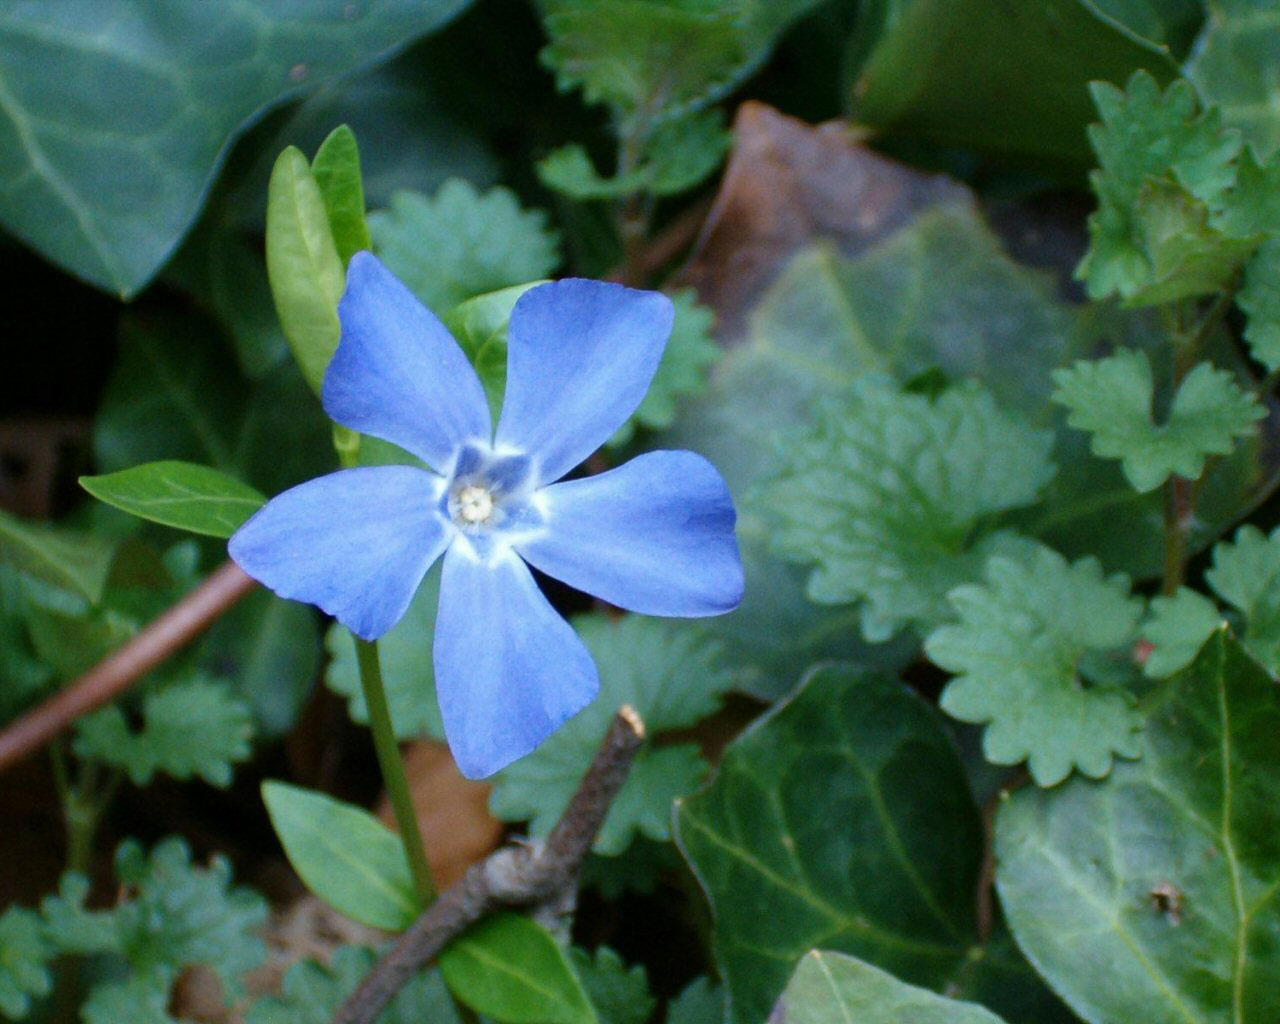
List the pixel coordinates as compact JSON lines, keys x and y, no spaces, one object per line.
{"x":24,"y":962}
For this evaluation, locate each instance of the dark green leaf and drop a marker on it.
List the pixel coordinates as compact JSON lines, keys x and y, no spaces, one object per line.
{"x":337,"y":171}
{"x":619,"y":994}
{"x":1246,"y":574}
{"x":140,"y":999}
{"x":513,"y":970}
{"x":24,"y":960}
{"x":105,"y":171}
{"x":179,"y":494}
{"x":1260,"y":299}
{"x":1017,"y":650}
{"x":461,"y":243}
{"x":303,"y":265}
{"x":673,"y":674}
{"x":1151,"y":895}
{"x":831,"y":986}
{"x":929,"y":75}
{"x":701,"y":1002}
{"x":344,"y":855}
{"x":61,"y":558}
{"x":843,"y":819}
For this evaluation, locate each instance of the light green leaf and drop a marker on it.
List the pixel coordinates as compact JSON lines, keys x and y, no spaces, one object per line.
{"x":569,"y":171}
{"x":682,"y":372}
{"x":673,"y":674}
{"x":140,"y":999}
{"x":701,"y":1002}
{"x":344,"y":855}
{"x":336,"y":168}
{"x":829,"y":987}
{"x":1112,"y":398}
{"x":1017,"y":650}
{"x":1177,"y":627}
{"x":619,"y":994}
{"x":928,"y":75}
{"x":303,"y":265}
{"x":73,"y":929}
{"x":461,"y":243}
{"x":313,"y":993}
{"x":105,"y":170}
{"x":1246,"y":574}
{"x":480,"y":325}
{"x":196,"y":727}
{"x":1151,"y":896}
{"x":408,"y":674}
{"x":893,"y":496}
{"x":65,"y":559}
{"x":179,"y":494}
{"x":267,"y":650}
{"x":1259,"y":298}
{"x":769,"y":841}
{"x":1234,"y":67}
{"x":24,"y":962}
{"x":513,"y":970}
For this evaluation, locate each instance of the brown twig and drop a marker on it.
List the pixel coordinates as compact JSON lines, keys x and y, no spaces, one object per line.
{"x":122,"y":668}
{"x":987,"y":872}
{"x":544,"y":873}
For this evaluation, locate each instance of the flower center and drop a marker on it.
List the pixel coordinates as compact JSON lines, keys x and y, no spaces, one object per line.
{"x":475,"y":504}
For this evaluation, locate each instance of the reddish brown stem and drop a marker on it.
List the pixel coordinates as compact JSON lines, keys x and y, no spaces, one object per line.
{"x":118,"y":671}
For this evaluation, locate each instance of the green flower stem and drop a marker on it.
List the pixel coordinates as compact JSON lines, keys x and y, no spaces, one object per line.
{"x":393,"y":774}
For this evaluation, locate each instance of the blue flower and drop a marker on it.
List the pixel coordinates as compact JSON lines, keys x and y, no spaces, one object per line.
{"x":653,"y":536}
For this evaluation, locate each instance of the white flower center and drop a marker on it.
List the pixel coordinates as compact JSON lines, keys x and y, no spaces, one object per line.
{"x":475,"y":504}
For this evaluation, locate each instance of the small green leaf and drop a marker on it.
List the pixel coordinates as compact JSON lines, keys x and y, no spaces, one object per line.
{"x":480,"y":325}
{"x":569,"y":171}
{"x":1246,"y":574}
{"x":461,"y":243}
{"x":513,"y":970}
{"x":303,"y":265}
{"x":1234,"y":66}
{"x":1152,"y":896}
{"x":196,"y":727}
{"x":313,"y":993}
{"x":619,"y":994}
{"x":770,"y":842}
{"x":827,"y":987}
{"x":1177,"y":627}
{"x":408,"y":674}
{"x":1259,"y":298}
{"x":62,"y":558}
{"x":344,"y":855}
{"x":140,"y":999}
{"x":1017,"y":651}
{"x":892,"y":495}
{"x":179,"y":494}
{"x":1112,"y":397}
{"x":701,"y":1002}
{"x":337,"y":172}
{"x":672,"y":673}
{"x":24,"y":962}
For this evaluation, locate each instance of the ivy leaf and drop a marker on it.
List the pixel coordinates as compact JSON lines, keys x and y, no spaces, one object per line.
{"x":1246,"y":574}
{"x":1177,"y":627}
{"x":1017,"y":651}
{"x":830,"y":986}
{"x":619,"y":994}
{"x":24,"y":960}
{"x":671,"y":673}
{"x":460,"y":242}
{"x":1111,"y":398}
{"x":407,"y":671}
{"x":1152,"y":896}
{"x":889,"y":493}
{"x":193,"y":727}
{"x":1259,"y":298}
{"x":313,"y":992}
{"x":682,"y":371}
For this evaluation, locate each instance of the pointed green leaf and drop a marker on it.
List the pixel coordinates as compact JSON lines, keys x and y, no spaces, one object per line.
{"x":513,"y":970}
{"x":179,"y":494}
{"x":336,"y":168}
{"x":306,"y":273}
{"x":829,"y":987}
{"x":1112,"y":398}
{"x":1151,"y":896}
{"x":1017,"y":653}
{"x":768,"y":839}
{"x":70,"y":561}
{"x":344,"y":855}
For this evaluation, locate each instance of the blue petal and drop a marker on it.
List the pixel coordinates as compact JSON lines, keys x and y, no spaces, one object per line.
{"x":356,"y":543}
{"x":398,"y":374}
{"x":509,"y":669}
{"x":580,"y":357}
{"x":653,"y":536}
